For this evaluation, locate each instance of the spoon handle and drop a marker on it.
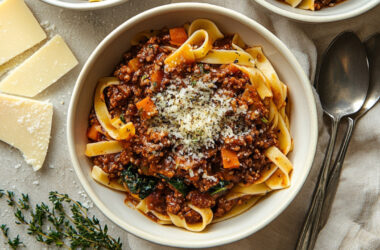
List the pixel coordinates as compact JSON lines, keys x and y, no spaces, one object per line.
{"x":310,"y":227}
{"x":333,"y":181}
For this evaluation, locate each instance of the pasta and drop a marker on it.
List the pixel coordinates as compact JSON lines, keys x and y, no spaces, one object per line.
{"x":103,"y":178}
{"x":193,"y":126}
{"x":103,"y":147}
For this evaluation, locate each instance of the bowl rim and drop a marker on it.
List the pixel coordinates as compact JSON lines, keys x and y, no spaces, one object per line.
{"x":318,"y":19}
{"x":229,"y":14}
{"x":85,"y":5}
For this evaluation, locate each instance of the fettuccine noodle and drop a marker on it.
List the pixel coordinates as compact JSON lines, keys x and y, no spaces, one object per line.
{"x":194,"y":44}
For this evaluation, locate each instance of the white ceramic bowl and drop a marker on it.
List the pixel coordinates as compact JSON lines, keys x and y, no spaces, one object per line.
{"x":344,"y":10}
{"x":303,"y":124}
{"x":84,"y":4}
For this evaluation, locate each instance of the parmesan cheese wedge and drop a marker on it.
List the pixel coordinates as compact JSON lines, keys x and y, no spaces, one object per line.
{"x":25,"y":124}
{"x":19,"y":29}
{"x":43,"y":68}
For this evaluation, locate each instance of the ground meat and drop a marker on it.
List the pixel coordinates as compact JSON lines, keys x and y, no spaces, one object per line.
{"x":174,"y":203}
{"x":118,"y":95}
{"x":156,"y":201}
{"x":191,"y":216}
{"x":202,"y":200}
{"x":223,"y":206}
{"x":110,"y":164}
{"x":152,"y":152}
{"x":319,"y":4}
{"x":224,"y":43}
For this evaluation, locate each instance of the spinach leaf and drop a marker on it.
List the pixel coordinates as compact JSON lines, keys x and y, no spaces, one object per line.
{"x":177,"y":183}
{"x":202,"y":69}
{"x":220,"y":187}
{"x":264,"y":120}
{"x":122,"y":118}
{"x":138,"y":184}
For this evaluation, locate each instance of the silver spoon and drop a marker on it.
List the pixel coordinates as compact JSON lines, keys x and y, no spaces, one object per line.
{"x":373,"y":96}
{"x":342,"y":84}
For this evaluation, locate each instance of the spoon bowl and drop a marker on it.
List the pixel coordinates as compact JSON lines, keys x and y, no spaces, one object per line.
{"x":373,"y":52}
{"x":342,"y":81}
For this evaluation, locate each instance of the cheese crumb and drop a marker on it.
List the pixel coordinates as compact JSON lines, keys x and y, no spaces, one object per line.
{"x":196,"y":116}
{"x":191,"y":173}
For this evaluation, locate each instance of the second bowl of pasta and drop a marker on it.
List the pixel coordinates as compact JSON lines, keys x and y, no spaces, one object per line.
{"x":184,"y":118}
{"x":318,"y":11}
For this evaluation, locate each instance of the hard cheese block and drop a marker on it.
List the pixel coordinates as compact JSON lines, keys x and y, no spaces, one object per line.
{"x":25,"y":124}
{"x":42,"y":69}
{"x":19,"y":30}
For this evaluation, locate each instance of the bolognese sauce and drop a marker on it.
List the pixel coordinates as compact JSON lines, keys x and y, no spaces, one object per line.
{"x":200,"y":129}
{"x":319,"y":4}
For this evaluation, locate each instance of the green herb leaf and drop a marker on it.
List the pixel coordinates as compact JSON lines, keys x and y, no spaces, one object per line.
{"x":139,"y":184}
{"x":122,"y":118}
{"x":193,"y":83}
{"x":201,"y":68}
{"x":264,"y":120}
{"x":13,"y":243}
{"x":177,"y":183}
{"x":144,"y":77}
{"x":218,"y":188}
{"x":4,"y":229}
{"x":66,"y":223}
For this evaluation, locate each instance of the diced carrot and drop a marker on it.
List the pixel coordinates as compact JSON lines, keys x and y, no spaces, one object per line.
{"x":230,"y":159}
{"x":134,"y":64}
{"x":146,"y":107}
{"x":232,"y":68}
{"x":156,"y":77}
{"x":178,"y":36}
{"x":93,"y":132}
{"x":248,"y":94}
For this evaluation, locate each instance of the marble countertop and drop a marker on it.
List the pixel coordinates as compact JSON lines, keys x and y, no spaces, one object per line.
{"x":83,"y":31}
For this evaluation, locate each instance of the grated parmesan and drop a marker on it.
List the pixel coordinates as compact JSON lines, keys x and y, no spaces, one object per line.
{"x":209,"y":177}
{"x":196,"y":115}
{"x":191,"y":173}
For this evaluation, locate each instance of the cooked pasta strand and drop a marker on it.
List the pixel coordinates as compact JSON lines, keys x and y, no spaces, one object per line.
{"x":263,"y":64}
{"x":103,"y":178}
{"x":206,"y":214}
{"x":103,"y":148}
{"x":263,"y":97}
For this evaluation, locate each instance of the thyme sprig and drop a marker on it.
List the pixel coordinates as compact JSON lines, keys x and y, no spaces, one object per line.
{"x":56,"y":226}
{"x":13,"y":243}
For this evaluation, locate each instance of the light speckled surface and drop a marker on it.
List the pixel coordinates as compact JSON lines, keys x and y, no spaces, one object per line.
{"x":83,"y":31}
